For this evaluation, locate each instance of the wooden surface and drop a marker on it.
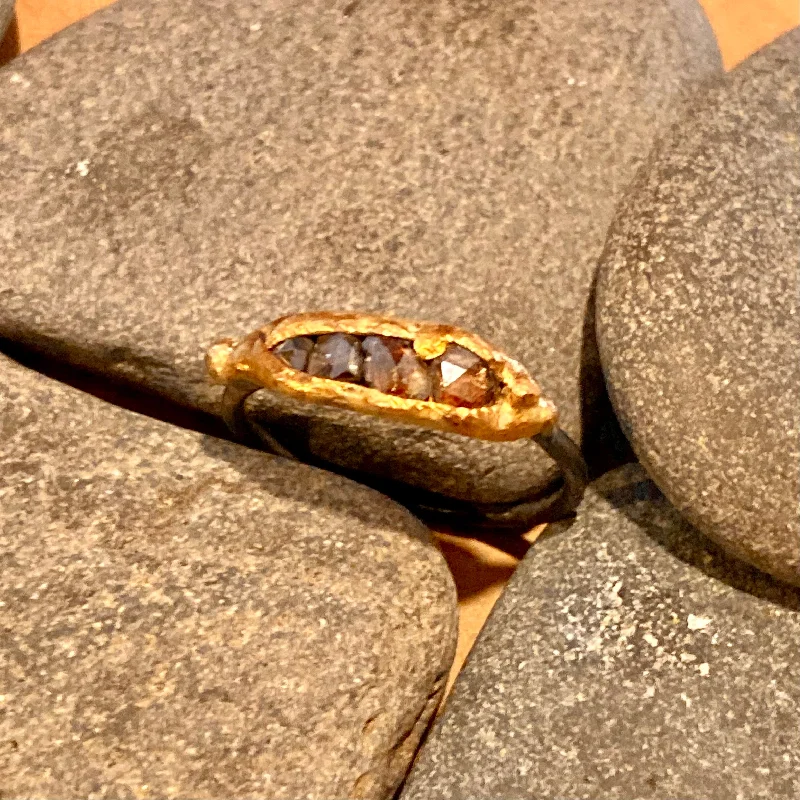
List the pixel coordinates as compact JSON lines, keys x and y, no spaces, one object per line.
{"x":481,"y":567}
{"x":741,"y":26}
{"x":36,"y":20}
{"x":744,"y":26}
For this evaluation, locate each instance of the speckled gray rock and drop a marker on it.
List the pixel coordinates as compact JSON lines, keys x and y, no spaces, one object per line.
{"x":629,"y":657}
{"x":236,"y":161}
{"x":182,"y":617}
{"x":698,"y":313}
{"x":6,"y":12}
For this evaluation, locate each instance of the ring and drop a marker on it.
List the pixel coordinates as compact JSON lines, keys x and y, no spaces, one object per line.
{"x":427,"y":374}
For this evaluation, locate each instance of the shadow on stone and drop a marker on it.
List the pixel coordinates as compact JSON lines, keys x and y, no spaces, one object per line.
{"x":297,"y":430}
{"x":667,"y":528}
{"x":603,"y":443}
{"x":294,"y":490}
{"x":53,"y":359}
{"x":9,"y":43}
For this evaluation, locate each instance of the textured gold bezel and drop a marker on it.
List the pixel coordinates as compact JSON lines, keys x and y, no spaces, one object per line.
{"x":518,"y":412}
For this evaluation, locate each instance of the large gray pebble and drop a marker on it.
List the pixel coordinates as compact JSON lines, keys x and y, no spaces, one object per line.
{"x":6,"y":12}
{"x":629,"y":657}
{"x":698,"y":312}
{"x":175,"y":173}
{"x":182,"y":617}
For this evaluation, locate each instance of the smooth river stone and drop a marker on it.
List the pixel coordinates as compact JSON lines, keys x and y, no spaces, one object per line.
{"x":629,"y":657}
{"x":183,"y":617}
{"x":6,"y":13}
{"x":698,"y":312}
{"x":238,"y":161}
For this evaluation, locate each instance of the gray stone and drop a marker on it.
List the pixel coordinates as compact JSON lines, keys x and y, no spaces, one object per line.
{"x":6,"y":12}
{"x":236,"y":161}
{"x":629,"y":657}
{"x":182,"y":617}
{"x":698,"y":313}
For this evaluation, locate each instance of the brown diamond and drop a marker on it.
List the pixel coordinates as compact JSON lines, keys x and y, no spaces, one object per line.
{"x":414,"y":379}
{"x":381,"y":354}
{"x":392,"y":366}
{"x":295,"y":351}
{"x":337,"y":356}
{"x":460,"y":378}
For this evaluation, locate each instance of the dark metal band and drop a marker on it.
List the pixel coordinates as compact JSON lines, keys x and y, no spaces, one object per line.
{"x":520,"y":514}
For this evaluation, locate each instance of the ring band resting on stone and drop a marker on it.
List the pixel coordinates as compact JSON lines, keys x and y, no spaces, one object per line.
{"x":432,"y":375}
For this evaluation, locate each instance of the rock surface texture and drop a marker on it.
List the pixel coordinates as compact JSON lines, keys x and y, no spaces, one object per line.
{"x":237,"y":161}
{"x":6,"y":12}
{"x":629,"y":657}
{"x":698,"y":313}
{"x":182,"y":617}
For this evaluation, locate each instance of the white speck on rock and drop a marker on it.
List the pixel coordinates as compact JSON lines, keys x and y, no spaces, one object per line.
{"x":594,"y":644}
{"x":255,"y":27}
{"x":686,"y":700}
{"x":650,"y":639}
{"x":82,"y":167}
{"x":697,"y":623}
{"x":703,"y":669}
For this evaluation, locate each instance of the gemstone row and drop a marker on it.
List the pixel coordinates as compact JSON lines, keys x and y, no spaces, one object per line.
{"x":389,"y":364}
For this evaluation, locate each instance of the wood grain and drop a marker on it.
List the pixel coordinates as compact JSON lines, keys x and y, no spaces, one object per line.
{"x":39,"y":19}
{"x":741,"y":26}
{"x":744,"y":26}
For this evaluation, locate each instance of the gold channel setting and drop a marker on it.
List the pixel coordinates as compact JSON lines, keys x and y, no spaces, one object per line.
{"x":433,"y":375}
